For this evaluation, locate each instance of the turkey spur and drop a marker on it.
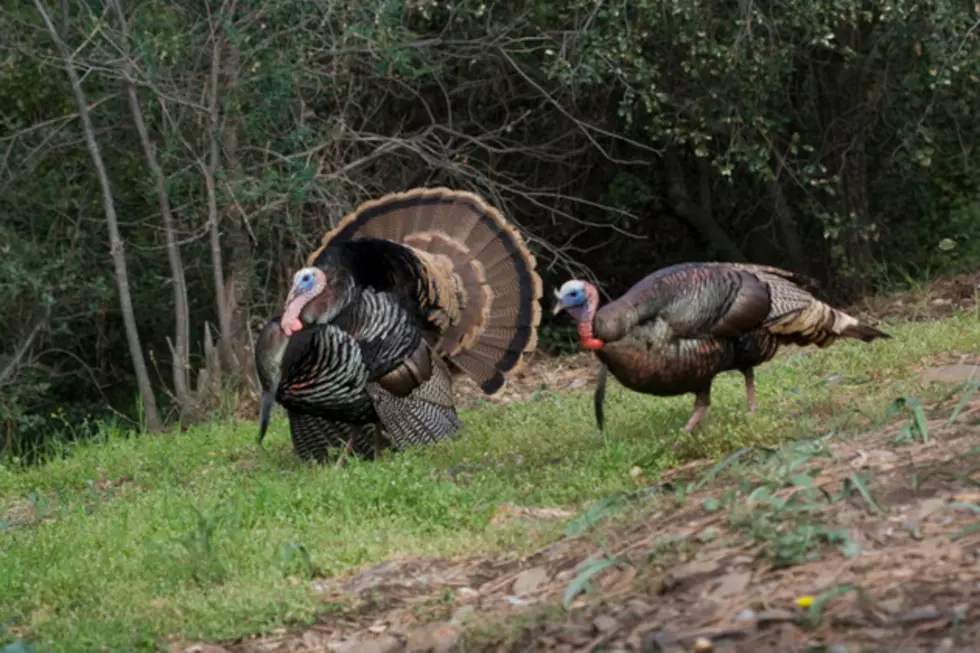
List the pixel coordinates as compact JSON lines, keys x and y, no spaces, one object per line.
{"x":402,"y":285}
{"x":678,"y":328}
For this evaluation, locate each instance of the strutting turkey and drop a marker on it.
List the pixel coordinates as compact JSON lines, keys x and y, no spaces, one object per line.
{"x":676,"y":329}
{"x":402,"y":283}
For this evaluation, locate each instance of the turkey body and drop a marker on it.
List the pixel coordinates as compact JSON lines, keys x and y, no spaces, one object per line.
{"x":694,"y":321}
{"x":358,"y":357}
{"x":675,"y":330}
{"x":330,"y":380}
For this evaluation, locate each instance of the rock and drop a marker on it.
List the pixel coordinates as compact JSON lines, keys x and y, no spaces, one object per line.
{"x":955,"y":554}
{"x":924,"y":613}
{"x":951,"y":374}
{"x":703,"y":645}
{"x":574,"y":634}
{"x":929,"y":506}
{"x":463,"y":614}
{"x":205,"y":648}
{"x":944,"y":646}
{"x":775,"y":616}
{"x":529,"y":581}
{"x":687,"y":571}
{"x":844,"y":648}
{"x":733,"y":584}
{"x":709,"y":534}
{"x":384,"y":644}
{"x":604,"y":623}
{"x":433,"y":638}
{"x":466,"y":594}
{"x":638,"y":607}
{"x":314,"y":640}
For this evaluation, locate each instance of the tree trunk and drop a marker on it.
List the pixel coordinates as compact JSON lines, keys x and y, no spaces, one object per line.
{"x":116,"y":243}
{"x":846,"y":118}
{"x":241,"y":262}
{"x":786,"y":222}
{"x":698,"y":215}
{"x":180,"y":354}
{"x":210,"y":173}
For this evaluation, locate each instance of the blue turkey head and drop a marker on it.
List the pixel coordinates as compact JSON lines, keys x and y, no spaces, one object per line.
{"x":571,"y":296}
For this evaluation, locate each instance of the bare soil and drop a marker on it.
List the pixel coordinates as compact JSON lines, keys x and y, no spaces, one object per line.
{"x":914,"y":585}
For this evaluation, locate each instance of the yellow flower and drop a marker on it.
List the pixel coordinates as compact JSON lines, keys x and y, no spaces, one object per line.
{"x":804,"y":601}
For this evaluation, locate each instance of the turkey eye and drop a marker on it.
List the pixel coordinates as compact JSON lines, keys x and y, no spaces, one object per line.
{"x":305,"y":278}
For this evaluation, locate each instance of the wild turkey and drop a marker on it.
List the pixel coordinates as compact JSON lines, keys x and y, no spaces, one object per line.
{"x":400,"y":283}
{"x":676,"y":329}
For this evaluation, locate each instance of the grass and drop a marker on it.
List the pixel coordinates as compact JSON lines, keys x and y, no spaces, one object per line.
{"x":125,"y":543}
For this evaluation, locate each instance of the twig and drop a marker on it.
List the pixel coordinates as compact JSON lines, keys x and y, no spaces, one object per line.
{"x":11,"y":368}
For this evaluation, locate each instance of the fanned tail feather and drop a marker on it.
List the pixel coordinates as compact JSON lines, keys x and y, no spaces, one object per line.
{"x":479,"y":284}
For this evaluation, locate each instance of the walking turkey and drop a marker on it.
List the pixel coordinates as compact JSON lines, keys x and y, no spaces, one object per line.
{"x":402,"y":283}
{"x":678,"y":328}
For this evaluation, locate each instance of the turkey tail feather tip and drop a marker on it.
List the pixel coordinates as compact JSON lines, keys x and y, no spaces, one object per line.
{"x":600,"y":397}
{"x":865,"y":333}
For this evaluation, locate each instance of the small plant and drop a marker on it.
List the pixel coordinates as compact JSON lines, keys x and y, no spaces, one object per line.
{"x":206,"y":566}
{"x":917,"y":428}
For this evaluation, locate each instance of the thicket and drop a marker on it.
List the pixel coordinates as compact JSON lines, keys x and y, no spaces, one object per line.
{"x":164,"y":166}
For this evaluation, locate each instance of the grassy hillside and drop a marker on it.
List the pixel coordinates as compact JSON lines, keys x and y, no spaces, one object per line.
{"x":131,"y":542}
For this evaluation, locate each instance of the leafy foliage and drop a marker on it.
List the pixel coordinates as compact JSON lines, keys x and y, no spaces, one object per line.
{"x":830,"y":137}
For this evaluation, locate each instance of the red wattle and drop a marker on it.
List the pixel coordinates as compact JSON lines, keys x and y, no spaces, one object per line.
{"x":586,"y":338}
{"x":290,"y":325}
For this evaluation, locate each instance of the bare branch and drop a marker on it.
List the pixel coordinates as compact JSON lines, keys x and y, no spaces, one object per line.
{"x":13,"y":365}
{"x":180,"y":363}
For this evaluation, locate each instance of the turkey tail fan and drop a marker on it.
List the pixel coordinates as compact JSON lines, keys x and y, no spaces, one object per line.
{"x":426,"y":415}
{"x":600,"y":397}
{"x":477,"y":281}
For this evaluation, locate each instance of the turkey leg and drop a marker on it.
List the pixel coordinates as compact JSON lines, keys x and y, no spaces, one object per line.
{"x":342,"y":458}
{"x":750,"y":388}
{"x":701,"y":402}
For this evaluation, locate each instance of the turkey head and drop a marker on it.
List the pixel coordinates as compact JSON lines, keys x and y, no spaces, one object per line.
{"x":316,"y":297}
{"x":580,"y":299}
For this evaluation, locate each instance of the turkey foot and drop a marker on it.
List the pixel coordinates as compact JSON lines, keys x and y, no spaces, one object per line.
{"x":750,"y":388}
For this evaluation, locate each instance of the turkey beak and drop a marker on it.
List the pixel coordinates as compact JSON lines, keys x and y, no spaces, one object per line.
{"x":559,"y":304}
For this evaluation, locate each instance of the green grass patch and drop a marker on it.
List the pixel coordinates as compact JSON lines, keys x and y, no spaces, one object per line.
{"x":128,"y":541}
